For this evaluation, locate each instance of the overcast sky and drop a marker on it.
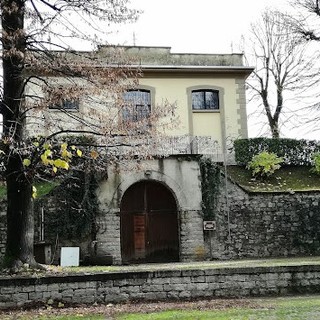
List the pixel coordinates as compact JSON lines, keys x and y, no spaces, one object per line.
{"x":207,"y":26}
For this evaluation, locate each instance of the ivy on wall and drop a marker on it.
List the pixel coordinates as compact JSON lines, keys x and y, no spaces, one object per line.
{"x":72,"y":208}
{"x":210,"y":187}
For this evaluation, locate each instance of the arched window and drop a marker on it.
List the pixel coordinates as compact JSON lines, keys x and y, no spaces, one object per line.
{"x":137,"y":105}
{"x":205,"y":99}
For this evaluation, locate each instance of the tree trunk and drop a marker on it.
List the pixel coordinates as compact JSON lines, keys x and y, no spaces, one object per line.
{"x":20,"y":225}
{"x":275,"y":130}
{"x":20,"y":220}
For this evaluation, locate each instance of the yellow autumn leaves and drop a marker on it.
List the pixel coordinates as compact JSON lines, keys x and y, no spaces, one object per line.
{"x":34,"y":192}
{"x":48,"y":157}
{"x":57,"y":160}
{"x":66,"y":153}
{"x":26,"y":162}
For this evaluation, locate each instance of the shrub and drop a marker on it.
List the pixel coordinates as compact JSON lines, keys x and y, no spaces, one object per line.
{"x":264,"y":164}
{"x":293,"y":152}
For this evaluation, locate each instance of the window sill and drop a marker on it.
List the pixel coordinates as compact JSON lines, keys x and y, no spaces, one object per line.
{"x":205,"y":111}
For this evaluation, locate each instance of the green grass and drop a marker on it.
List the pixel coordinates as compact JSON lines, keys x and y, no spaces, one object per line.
{"x":151,"y":267}
{"x":286,"y":179}
{"x":43,"y":188}
{"x":296,"y":261}
{"x":280,"y":309}
{"x":3,"y":191}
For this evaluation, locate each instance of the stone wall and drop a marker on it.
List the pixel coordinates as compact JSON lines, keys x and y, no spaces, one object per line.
{"x":265,"y":224}
{"x":159,"y":285}
{"x":191,"y":236}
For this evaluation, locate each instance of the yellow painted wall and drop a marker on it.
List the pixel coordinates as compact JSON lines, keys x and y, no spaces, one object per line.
{"x":174,"y":89}
{"x":207,"y":124}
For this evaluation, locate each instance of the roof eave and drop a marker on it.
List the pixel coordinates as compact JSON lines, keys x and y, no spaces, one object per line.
{"x":197,"y":69}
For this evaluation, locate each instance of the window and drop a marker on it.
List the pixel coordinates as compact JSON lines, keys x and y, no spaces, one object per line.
{"x":137,"y":105}
{"x":66,"y":104}
{"x":205,"y":100}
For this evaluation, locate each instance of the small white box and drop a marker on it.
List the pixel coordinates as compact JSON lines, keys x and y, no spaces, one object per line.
{"x":70,"y":256}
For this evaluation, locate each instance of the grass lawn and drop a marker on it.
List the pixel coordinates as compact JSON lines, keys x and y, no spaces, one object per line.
{"x":43,"y":188}
{"x":244,"y":263}
{"x":281,"y":308}
{"x":293,"y":308}
{"x":286,"y":179}
{"x":52,"y":270}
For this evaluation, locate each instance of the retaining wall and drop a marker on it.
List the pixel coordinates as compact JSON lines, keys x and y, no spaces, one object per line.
{"x":270,"y":224}
{"x":160,"y":285}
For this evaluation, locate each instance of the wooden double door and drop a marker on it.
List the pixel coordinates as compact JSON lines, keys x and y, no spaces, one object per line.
{"x":149,"y":224}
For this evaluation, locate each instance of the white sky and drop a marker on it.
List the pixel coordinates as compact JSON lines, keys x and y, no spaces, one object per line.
{"x":201,"y":26}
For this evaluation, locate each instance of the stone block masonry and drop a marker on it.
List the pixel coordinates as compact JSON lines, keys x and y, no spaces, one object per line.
{"x":260,"y":225}
{"x":159,"y":285}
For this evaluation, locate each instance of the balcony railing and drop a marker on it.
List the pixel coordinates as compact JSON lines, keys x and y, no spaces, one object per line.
{"x":189,"y":145}
{"x":173,"y":145}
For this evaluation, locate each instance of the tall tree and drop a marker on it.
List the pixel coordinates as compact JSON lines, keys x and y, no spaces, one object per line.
{"x":305,"y":20}
{"x":41,"y":71}
{"x":284,"y":70}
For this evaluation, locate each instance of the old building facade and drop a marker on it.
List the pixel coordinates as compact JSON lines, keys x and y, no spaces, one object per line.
{"x":153,"y":213}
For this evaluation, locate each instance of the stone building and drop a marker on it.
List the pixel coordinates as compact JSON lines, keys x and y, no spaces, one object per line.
{"x":154,"y":212}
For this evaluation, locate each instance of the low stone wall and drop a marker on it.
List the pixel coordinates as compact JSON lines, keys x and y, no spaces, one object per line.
{"x":159,"y":285}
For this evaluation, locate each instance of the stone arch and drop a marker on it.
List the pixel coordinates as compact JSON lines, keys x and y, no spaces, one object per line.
{"x":179,"y":175}
{"x":152,"y":175}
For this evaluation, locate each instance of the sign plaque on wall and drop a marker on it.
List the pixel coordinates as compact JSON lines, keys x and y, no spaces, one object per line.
{"x":209,"y":225}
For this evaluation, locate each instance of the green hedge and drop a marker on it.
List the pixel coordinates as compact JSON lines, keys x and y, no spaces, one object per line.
{"x":293,"y":152}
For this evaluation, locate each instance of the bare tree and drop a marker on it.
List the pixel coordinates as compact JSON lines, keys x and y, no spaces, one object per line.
{"x":41,"y":71}
{"x":305,"y":22}
{"x":284,"y":70}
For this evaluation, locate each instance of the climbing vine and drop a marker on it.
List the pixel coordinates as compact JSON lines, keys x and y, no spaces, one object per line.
{"x":211,"y":180}
{"x":72,"y":208}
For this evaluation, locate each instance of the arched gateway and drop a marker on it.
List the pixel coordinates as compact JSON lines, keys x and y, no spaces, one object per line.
{"x":149,"y":224}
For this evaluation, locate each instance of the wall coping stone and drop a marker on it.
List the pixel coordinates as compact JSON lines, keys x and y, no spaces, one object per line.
{"x":115,"y":275}
{"x":116,"y":287}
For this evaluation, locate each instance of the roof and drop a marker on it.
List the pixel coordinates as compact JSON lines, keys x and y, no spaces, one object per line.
{"x":162,"y":56}
{"x":148,"y":59}
{"x":197,"y":69}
